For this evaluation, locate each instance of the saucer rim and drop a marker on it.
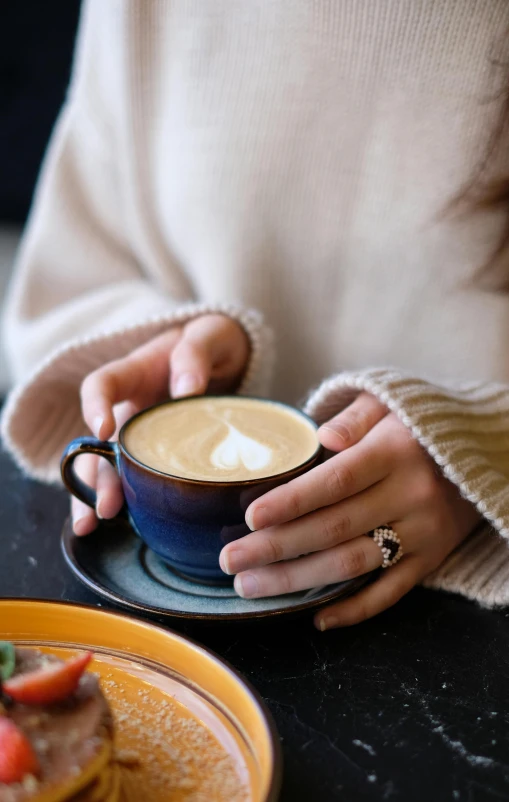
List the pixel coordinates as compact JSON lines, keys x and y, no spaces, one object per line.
{"x":68,"y":539}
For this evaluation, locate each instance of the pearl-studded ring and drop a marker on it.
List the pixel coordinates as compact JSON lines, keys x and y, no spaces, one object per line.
{"x":389,"y":544}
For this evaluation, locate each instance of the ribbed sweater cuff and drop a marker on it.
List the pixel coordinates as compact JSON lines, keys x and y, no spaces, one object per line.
{"x":42,"y":414}
{"x":465,"y":429}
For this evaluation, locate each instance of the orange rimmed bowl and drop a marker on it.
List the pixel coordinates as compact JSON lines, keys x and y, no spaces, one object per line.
{"x":180,"y":709}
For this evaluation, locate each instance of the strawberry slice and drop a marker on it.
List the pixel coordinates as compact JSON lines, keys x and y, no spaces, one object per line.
{"x":49,"y":685}
{"x":17,"y":758}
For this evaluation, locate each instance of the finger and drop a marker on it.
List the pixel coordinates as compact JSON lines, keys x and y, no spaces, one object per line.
{"x":392,"y":585}
{"x":353,"y":423}
{"x":212,"y":346}
{"x":109,"y":488}
{"x":84,"y":518}
{"x":122,"y":413}
{"x":190,"y":368}
{"x":346,"y":561}
{"x":109,"y":491}
{"x":320,"y":530}
{"x":141,"y":377}
{"x":338,"y":478}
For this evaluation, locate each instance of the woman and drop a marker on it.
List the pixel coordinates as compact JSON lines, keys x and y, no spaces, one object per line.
{"x":295,"y":158}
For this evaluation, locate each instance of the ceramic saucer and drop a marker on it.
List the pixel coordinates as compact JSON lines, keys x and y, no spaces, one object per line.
{"x":114,"y":563}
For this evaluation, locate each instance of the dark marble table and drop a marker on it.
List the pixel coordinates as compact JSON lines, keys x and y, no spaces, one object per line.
{"x":411,"y":706}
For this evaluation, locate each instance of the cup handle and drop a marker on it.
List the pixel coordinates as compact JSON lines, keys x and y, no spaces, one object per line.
{"x":84,"y":445}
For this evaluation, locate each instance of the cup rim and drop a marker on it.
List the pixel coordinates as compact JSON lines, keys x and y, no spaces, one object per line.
{"x":211,"y":482}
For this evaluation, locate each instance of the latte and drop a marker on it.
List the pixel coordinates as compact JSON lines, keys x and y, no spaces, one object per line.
{"x":221,"y":439}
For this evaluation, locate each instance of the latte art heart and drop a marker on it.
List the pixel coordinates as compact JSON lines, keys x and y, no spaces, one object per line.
{"x":237,"y":449}
{"x":221,"y":439}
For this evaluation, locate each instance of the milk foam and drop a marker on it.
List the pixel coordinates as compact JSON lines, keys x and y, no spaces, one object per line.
{"x":237,"y":449}
{"x":221,"y":439}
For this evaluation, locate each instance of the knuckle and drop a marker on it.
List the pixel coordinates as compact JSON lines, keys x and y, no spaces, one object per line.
{"x":285,"y":579}
{"x":369,"y":400}
{"x":357,"y":613}
{"x":426,"y":488}
{"x":294,"y":504}
{"x":358,"y":420}
{"x":403,"y":444}
{"x":341,"y":428}
{"x":369,"y":606}
{"x":350,"y":562}
{"x":400,"y":435}
{"x":338,"y":481}
{"x":185,"y":348}
{"x":104,"y":375}
{"x":351,"y":425}
{"x":273,"y":550}
{"x":362,"y":613}
{"x":335,"y":528}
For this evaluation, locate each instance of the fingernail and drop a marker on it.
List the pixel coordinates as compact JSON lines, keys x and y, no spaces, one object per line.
{"x":76,"y":526}
{"x":187,"y":384}
{"x":228,"y":561}
{"x":257,"y":518}
{"x":246,"y":586}
{"x":339,"y":430}
{"x":99,"y":506}
{"x":327,"y":623}
{"x":97,"y":425}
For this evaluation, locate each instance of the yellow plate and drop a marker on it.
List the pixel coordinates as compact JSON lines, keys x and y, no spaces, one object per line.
{"x":195,"y":728}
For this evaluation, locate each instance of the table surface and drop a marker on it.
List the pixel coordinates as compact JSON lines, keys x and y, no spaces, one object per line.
{"x":412,"y":705}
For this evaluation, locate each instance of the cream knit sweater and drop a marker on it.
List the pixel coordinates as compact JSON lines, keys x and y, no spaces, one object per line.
{"x":291,"y":157}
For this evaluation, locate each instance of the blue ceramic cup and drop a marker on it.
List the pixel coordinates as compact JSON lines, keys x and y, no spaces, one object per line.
{"x":186,"y":522}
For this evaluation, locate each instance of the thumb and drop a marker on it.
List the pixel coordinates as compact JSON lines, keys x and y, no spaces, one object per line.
{"x":211,"y":347}
{"x":192,"y":359}
{"x":190,"y":369}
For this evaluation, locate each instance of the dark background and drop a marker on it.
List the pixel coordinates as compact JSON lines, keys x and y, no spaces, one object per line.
{"x":36,"y":46}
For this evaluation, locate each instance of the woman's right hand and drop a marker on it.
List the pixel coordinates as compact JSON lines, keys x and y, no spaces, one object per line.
{"x":210,"y":353}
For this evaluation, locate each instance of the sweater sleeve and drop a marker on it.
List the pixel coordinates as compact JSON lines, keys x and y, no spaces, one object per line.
{"x":465,"y":429}
{"x":80,"y":294}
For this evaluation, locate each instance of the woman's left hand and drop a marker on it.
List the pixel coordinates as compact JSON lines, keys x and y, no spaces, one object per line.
{"x":379,"y":475}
